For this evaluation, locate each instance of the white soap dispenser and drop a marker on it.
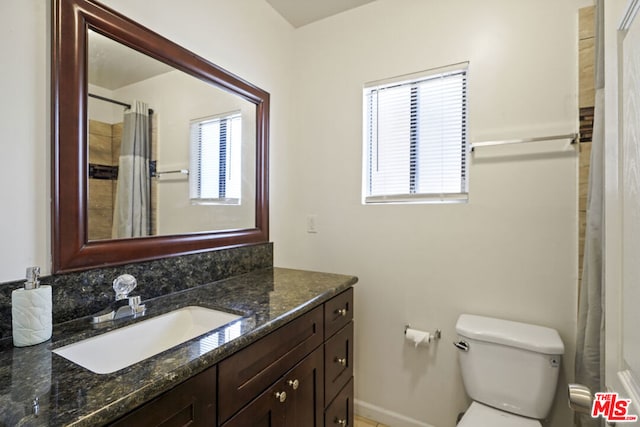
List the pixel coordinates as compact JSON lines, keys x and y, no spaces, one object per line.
{"x":31,"y":311}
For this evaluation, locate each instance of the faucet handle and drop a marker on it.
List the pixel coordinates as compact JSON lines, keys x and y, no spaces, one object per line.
{"x":123,"y":285}
{"x":135,"y":306}
{"x":135,"y":301}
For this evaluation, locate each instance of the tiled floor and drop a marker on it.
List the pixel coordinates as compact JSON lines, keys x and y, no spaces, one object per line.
{"x":364,"y":422}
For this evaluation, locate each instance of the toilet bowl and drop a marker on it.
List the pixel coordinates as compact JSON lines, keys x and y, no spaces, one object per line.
{"x":479,"y":415}
{"x":509,"y":369}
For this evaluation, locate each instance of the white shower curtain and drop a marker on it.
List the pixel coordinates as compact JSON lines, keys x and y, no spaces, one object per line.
{"x":131,"y":208}
{"x":591,"y":329}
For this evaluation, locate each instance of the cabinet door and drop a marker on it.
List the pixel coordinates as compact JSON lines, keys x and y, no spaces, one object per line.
{"x":340,"y":412}
{"x":245,"y":374}
{"x":268,"y":410}
{"x":295,"y":400}
{"x":305,"y":384}
{"x":338,"y":359}
{"x":191,"y":403}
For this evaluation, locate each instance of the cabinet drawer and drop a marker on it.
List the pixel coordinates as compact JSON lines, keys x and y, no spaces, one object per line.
{"x":338,"y":361}
{"x":338,"y":311}
{"x":247,"y":373}
{"x":191,"y":403}
{"x":340,"y":411}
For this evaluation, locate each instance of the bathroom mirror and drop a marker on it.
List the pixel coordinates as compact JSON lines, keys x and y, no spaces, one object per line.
{"x":114,"y":202}
{"x":193,"y":169}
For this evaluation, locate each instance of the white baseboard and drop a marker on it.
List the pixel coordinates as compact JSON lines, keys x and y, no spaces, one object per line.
{"x":384,"y":416}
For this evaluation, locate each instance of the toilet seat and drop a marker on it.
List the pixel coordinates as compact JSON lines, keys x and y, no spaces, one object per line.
{"x":479,"y":415}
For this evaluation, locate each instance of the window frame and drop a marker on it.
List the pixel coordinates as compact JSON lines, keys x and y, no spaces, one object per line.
{"x":411,"y":81}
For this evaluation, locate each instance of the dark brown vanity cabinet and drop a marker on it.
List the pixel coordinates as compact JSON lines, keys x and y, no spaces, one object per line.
{"x":317,"y":391}
{"x":294,"y":400}
{"x":299,"y":375}
{"x":191,"y":403}
{"x":244,"y":376}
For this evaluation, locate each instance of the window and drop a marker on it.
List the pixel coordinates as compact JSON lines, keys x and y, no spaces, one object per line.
{"x":215,"y":173}
{"x":415,"y":138}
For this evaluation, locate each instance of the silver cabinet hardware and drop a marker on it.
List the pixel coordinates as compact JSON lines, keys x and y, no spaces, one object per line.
{"x":342,"y":312}
{"x":294,"y":384}
{"x":340,"y":422}
{"x":341,"y":361}
{"x":281,"y":396}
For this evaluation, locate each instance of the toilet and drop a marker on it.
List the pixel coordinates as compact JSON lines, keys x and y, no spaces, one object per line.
{"x":509,"y":369}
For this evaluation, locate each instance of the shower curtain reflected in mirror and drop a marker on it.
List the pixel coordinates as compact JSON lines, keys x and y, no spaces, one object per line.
{"x":131,"y":213}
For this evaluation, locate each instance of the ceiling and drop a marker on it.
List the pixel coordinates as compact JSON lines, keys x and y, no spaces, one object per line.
{"x":303,"y":12}
{"x":112,"y":65}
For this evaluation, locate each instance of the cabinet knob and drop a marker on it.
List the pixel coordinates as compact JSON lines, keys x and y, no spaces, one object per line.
{"x":341,"y":361}
{"x":294,"y":384}
{"x":340,"y":422}
{"x":342,"y":312}
{"x":281,"y":396}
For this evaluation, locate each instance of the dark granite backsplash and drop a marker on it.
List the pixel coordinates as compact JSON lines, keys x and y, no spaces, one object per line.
{"x":83,"y":293}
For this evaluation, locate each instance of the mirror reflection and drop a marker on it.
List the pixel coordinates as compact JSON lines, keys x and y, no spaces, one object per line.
{"x":167,"y":153}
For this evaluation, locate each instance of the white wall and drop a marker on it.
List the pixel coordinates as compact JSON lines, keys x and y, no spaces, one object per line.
{"x":24,"y":142}
{"x":248,"y":38}
{"x":510,"y":252}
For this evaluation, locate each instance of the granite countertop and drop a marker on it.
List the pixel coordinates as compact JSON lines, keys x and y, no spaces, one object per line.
{"x":71,"y":395}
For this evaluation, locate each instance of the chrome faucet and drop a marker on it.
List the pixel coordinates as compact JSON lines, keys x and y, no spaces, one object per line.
{"x":124,"y":305}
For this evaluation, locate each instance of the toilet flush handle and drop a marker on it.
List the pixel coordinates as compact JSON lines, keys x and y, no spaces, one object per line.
{"x":461,"y":345}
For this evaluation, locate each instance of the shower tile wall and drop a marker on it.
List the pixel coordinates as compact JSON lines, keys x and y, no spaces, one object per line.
{"x":104,"y":150}
{"x":102,"y":190}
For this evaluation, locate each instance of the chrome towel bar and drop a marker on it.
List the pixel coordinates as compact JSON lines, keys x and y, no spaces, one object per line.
{"x":573,"y":137}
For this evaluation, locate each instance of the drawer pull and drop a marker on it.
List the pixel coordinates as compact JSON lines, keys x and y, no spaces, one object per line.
{"x":340,"y":422}
{"x":281,"y":396}
{"x":341,"y":361}
{"x":294,"y":384}
{"x":342,"y":312}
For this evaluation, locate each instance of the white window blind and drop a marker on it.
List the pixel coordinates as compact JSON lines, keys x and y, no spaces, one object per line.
{"x":415,"y":138}
{"x":215,"y":175}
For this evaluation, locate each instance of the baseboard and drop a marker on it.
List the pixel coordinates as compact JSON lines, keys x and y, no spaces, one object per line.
{"x":384,"y":416}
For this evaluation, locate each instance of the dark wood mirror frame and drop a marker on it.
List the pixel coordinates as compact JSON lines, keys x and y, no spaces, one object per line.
{"x":70,"y":245}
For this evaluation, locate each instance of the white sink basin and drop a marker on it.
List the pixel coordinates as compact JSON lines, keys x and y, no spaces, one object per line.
{"x":123,"y":347}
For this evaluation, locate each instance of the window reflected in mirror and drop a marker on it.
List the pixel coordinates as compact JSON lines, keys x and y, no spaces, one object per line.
{"x":216,"y":168}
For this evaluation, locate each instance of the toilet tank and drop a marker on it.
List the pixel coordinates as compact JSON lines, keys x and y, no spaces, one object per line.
{"x":509,"y":365}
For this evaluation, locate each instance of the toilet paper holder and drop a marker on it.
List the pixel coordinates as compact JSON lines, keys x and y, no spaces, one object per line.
{"x":436,"y":335}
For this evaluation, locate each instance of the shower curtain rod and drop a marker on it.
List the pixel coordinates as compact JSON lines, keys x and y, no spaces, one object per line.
{"x":113,"y":101}
{"x":573,"y":137}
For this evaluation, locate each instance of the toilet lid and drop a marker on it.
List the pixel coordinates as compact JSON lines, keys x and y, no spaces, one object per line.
{"x":479,"y":415}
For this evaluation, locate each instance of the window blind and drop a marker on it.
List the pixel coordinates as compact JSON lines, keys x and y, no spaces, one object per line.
{"x":415,"y":139}
{"x":215,"y":175}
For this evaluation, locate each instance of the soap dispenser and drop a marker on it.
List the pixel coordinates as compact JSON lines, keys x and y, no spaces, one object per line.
{"x":31,"y":311}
